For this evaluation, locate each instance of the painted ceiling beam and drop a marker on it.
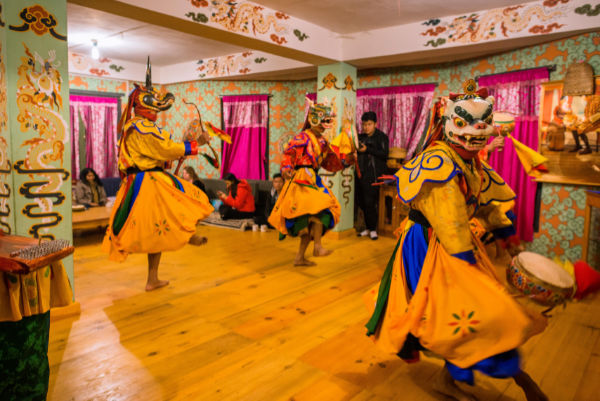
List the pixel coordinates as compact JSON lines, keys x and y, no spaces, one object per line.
{"x":284,"y":36}
{"x":534,"y":19}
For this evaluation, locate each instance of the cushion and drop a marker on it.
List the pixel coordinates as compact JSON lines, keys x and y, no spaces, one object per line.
{"x":588,"y":279}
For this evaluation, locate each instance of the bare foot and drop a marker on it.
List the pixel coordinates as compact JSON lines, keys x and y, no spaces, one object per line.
{"x":444,"y":384}
{"x":321,"y":252}
{"x":156,"y":285}
{"x":198,"y":240}
{"x":532,"y":391}
{"x":304,"y":262}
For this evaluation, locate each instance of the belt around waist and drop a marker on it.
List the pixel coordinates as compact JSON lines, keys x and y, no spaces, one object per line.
{"x":304,"y":166}
{"x":418,"y":217}
{"x":135,"y":170}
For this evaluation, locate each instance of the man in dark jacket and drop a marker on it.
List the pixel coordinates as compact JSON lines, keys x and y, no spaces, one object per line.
{"x":372,"y":158}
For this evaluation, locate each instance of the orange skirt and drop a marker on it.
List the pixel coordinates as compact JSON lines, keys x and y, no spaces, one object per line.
{"x":459,"y":311}
{"x":154,"y":212}
{"x":304,"y":196}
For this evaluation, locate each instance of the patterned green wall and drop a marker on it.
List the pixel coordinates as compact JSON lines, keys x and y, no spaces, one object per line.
{"x":286,"y":112}
{"x":562,"y":220}
{"x":99,"y":84}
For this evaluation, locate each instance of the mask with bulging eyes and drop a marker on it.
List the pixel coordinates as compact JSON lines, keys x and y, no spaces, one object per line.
{"x":153,"y":100}
{"x":320,"y":116}
{"x":468,"y":122}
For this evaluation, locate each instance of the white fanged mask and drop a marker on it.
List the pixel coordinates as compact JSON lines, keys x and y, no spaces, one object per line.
{"x":468,"y":122}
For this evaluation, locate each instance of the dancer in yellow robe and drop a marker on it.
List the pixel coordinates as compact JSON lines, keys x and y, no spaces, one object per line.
{"x":154,"y":210}
{"x":440,"y":291}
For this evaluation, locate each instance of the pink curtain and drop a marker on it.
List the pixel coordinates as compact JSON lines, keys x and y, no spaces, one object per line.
{"x":99,"y":119}
{"x":518,"y":93}
{"x":246,"y":119}
{"x":401,"y":112}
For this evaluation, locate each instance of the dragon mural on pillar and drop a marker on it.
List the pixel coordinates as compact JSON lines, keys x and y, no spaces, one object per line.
{"x":39,"y":103}
{"x":4,"y":159}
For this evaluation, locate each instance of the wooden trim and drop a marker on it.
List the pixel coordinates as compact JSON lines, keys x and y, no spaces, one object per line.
{"x":64,"y":312}
{"x":338,"y":235}
{"x":564,"y":180}
{"x":83,"y":92}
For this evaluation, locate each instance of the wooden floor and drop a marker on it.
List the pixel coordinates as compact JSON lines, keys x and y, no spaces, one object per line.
{"x":238,"y":322}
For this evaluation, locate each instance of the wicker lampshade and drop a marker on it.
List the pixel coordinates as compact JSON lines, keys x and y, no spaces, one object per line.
{"x":395,"y":157}
{"x":579,"y":80}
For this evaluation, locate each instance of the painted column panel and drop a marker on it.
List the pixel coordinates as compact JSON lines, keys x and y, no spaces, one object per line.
{"x":38,"y":116}
{"x":7,"y":220}
{"x":337,"y":84}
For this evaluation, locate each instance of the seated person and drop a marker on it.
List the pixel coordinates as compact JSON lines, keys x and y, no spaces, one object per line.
{"x":272,"y":196}
{"x":89,"y":190}
{"x":189,"y":174}
{"x":240,"y":202}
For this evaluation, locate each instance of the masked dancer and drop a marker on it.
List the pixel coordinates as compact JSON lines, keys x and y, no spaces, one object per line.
{"x":440,"y":291}
{"x":306,"y":207}
{"x":154,"y":210}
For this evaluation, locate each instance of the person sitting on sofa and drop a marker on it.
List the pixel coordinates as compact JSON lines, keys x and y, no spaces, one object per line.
{"x":189,"y":174}
{"x":240,"y":202}
{"x":89,"y":190}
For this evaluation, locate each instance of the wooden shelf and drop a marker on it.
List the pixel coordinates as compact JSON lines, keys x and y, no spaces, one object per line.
{"x":391,"y":211}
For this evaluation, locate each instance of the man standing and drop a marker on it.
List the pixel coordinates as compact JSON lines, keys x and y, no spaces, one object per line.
{"x":372,"y":157}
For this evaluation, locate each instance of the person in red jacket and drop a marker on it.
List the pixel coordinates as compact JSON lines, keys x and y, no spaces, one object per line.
{"x":240,"y":202}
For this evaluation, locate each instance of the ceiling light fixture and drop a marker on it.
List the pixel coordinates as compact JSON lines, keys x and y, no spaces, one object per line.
{"x":95,"y":51}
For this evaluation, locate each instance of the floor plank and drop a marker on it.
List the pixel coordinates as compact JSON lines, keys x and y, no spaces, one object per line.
{"x":239,"y":322}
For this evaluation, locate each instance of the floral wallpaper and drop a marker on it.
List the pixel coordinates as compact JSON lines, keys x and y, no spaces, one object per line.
{"x":562,"y":212}
{"x":99,"y":84}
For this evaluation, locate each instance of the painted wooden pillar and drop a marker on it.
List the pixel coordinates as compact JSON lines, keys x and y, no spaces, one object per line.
{"x":7,"y":216}
{"x":337,"y":84}
{"x":34,"y":75}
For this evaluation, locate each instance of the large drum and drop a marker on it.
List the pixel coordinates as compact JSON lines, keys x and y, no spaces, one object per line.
{"x":540,"y":279}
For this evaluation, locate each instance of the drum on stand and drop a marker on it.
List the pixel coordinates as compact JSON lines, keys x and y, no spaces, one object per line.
{"x":540,"y":279}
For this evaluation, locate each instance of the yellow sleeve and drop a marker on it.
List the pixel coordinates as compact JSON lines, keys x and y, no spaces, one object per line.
{"x":493,"y":216}
{"x":444,"y":206}
{"x":157,"y":144}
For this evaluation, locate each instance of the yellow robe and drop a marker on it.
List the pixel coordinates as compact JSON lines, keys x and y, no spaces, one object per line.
{"x":460,"y":311}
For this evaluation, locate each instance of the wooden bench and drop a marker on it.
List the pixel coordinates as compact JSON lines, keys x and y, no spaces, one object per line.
{"x":91,"y":218}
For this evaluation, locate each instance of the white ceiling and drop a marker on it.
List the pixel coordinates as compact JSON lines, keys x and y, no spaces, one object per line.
{"x":130,"y":40}
{"x":348,"y":16}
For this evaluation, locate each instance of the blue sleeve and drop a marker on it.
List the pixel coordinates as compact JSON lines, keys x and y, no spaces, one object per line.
{"x":188,"y":148}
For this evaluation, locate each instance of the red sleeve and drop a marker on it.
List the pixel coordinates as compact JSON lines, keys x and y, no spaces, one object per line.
{"x":331,"y":162}
{"x":294,"y":150}
{"x":289,"y":159}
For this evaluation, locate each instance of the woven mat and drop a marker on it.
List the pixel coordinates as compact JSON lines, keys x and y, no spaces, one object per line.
{"x":215,"y":220}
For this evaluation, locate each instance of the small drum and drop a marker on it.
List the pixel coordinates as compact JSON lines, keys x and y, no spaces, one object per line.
{"x":540,"y":279}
